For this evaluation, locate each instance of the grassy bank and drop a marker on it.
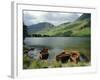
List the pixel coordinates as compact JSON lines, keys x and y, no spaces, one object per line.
{"x":35,"y":64}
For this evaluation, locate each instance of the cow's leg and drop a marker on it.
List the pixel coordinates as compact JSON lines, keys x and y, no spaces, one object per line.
{"x":73,"y":60}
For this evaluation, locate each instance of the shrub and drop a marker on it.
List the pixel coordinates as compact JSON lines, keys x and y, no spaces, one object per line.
{"x":26,"y":61}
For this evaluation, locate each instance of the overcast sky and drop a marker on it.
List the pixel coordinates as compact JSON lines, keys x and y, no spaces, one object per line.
{"x":56,"y":18}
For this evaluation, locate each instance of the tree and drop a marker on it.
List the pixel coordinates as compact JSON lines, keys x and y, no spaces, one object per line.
{"x":25,"y":32}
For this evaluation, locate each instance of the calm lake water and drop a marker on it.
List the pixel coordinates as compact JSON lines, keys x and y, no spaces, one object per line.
{"x":57,"y":44}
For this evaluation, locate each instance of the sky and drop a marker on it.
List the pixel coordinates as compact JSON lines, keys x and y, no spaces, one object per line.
{"x":56,"y":18}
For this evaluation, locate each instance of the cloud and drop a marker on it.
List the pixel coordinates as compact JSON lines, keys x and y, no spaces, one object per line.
{"x":56,"y":18}
{"x":33,"y":17}
{"x":27,"y":18}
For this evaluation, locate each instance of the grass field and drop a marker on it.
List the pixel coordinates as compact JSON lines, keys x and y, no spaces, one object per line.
{"x":29,"y":63}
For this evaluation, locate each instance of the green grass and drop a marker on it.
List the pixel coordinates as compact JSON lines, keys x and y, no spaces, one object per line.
{"x":83,"y":32}
{"x":26,"y":61}
{"x":38,"y":64}
{"x":80,"y":64}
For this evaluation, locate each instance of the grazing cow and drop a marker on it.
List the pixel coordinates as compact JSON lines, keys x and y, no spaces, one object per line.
{"x":63,"y":57}
{"x":74,"y":56}
{"x":44,"y":54}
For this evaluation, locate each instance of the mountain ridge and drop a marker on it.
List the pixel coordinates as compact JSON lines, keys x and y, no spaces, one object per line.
{"x":40,"y":26}
{"x":79,"y":27}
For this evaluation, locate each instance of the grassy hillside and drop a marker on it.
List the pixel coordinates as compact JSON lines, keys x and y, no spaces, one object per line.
{"x":77,"y":28}
{"x":80,"y":27}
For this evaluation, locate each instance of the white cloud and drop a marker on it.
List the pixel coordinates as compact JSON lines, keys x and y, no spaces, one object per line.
{"x":56,"y":18}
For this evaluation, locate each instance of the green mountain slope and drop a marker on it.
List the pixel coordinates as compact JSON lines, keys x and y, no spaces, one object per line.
{"x":80,"y":27}
{"x":39,"y":27}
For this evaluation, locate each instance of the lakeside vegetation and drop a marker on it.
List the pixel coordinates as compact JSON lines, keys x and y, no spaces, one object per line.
{"x":38,"y":64}
{"x":30,"y":63}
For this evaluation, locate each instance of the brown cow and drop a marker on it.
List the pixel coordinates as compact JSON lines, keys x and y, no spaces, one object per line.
{"x":63,"y":57}
{"x":44,"y":54}
{"x":74,"y":56}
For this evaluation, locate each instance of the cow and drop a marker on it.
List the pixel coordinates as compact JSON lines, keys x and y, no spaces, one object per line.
{"x":63,"y":57}
{"x":66,"y":56}
{"x":43,"y":55}
{"x":74,"y":57}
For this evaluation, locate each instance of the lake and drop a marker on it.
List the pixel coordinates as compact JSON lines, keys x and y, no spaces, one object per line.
{"x":57,"y":42}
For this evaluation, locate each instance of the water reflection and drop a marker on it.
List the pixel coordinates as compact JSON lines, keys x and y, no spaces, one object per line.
{"x":58,"y":42}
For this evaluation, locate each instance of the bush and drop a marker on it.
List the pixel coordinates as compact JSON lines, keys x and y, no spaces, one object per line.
{"x":26,"y":61}
{"x":38,"y":64}
{"x":55,"y":64}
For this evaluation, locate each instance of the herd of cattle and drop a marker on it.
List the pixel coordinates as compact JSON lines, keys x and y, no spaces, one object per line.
{"x":64,"y":56}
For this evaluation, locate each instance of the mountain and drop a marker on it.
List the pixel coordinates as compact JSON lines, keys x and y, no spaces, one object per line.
{"x":78,"y":28}
{"x":39,"y":27}
{"x":85,"y":16}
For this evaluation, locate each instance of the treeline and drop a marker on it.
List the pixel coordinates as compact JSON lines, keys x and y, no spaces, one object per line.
{"x":25,"y":32}
{"x":37,"y":35}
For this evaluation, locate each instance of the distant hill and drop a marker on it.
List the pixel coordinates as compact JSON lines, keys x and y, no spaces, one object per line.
{"x":39,"y":27}
{"x":79,"y":27}
{"x":85,"y":16}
